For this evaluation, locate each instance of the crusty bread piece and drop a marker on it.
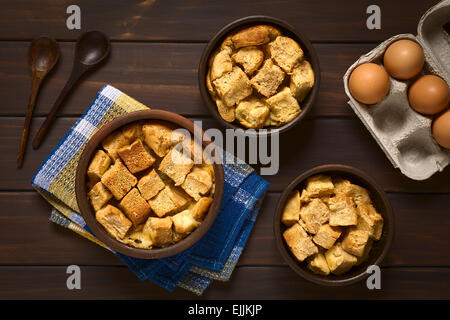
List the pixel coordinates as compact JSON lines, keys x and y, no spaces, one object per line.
{"x":176,"y":166}
{"x":366,"y":252}
{"x":291,"y":210}
{"x":210,"y":86}
{"x":318,"y":264}
{"x":184,"y":222}
{"x":99,"y":164}
{"x":314,"y":214}
{"x":233,"y":86}
{"x":159,"y":137}
{"x":227,"y":113}
{"x":338,"y":260}
{"x":118,"y":180}
{"x":299,"y":242}
{"x":135,"y":207}
{"x":252,"y":113}
{"x":370,"y":220}
{"x":327,"y":235}
{"x":136,"y":157}
{"x":250,"y":58}
{"x":221,"y":63}
{"x":285,"y":52}
{"x":355,"y":241}
{"x":319,"y":186}
{"x":99,"y":196}
{"x":150,"y":184}
{"x":132,"y":131}
{"x":168,"y":200}
{"x":159,"y":230}
{"x":197,"y":183}
{"x":251,"y":36}
{"x":226,"y":45}
{"x":283,"y":107}
{"x":200,"y":208}
{"x":113,"y":142}
{"x":348,"y":189}
{"x":302,"y":80}
{"x":138,"y":239}
{"x":342,"y":211}
{"x":114,"y":221}
{"x":268,"y":79}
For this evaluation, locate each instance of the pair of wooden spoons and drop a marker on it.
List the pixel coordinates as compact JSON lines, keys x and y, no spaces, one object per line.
{"x":90,"y":50}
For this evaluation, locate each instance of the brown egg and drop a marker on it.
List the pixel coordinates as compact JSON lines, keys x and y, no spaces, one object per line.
{"x":441,"y":129}
{"x":429,"y":94}
{"x":369,"y":83}
{"x":403,"y":59}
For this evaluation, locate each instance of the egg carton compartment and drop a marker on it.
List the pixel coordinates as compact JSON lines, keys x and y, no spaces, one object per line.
{"x":403,"y":134}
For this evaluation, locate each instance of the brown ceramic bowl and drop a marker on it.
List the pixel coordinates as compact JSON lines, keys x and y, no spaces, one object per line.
{"x":286,"y":29}
{"x":88,"y":213}
{"x":380,"y":247}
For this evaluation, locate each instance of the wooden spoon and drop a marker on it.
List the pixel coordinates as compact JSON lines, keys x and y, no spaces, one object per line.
{"x":91,"y":49}
{"x":42,"y":57}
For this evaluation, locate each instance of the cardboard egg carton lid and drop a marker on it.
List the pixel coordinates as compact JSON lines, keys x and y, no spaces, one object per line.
{"x":403,"y":134}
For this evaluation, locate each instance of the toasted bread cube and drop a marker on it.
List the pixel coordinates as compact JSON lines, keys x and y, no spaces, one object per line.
{"x":184,"y":222}
{"x":209,"y":85}
{"x":233,"y":86}
{"x":135,"y":207}
{"x":319,"y":186}
{"x":250,"y":58}
{"x":342,"y":211}
{"x":252,"y":113}
{"x":348,"y":189}
{"x":355,"y":241}
{"x":176,"y":166}
{"x":366,"y":253}
{"x":139,"y":239}
{"x":285,"y":52}
{"x":283,"y":107}
{"x":197,"y":183}
{"x":318,"y":264}
{"x":99,"y":196}
{"x":299,"y":242}
{"x":291,"y":211}
{"x":251,"y":36}
{"x":135,"y":157}
{"x":114,"y":142}
{"x":167,"y":201}
{"x":227,"y":113}
{"x":160,"y":138}
{"x":132,"y":131}
{"x":327,"y":235}
{"x":220,"y":64}
{"x":150,"y":184}
{"x":302,"y":80}
{"x":268,"y":79}
{"x":338,"y":260}
{"x":200,"y":208}
{"x":226,"y":45}
{"x":314,"y":214}
{"x":118,"y":180}
{"x":98,"y":166}
{"x":369,"y":220}
{"x":304,"y":198}
{"x":159,"y":230}
{"x":114,"y":221}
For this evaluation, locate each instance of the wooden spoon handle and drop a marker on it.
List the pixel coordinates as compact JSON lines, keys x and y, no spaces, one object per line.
{"x":35,"y":84}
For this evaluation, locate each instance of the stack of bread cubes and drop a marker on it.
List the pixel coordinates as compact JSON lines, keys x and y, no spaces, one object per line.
{"x":258,"y":77}
{"x":145,"y":188}
{"x":331,"y":225}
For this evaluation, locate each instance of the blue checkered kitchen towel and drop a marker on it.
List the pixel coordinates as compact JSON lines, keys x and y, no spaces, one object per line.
{"x":213,"y":257}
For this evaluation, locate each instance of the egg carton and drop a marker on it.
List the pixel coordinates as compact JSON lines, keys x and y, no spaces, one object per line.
{"x":403,"y":134}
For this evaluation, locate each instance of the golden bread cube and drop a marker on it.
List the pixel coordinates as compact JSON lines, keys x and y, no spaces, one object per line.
{"x":327,"y":235}
{"x":233,"y":86}
{"x":318,"y":264}
{"x":370,"y":220}
{"x":302,"y":80}
{"x":338,"y":260}
{"x":314,"y":214}
{"x":252,"y":113}
{"x":197,"y":183}
{"x":159,"y":230}
{"x":299,"y":242}
{"x":250,"y":58}
{"x":220,"y":64}
{"x":291,"y":211}
{"x":160,"y":138}
{"x":135,"y":207}
{"x":176,"y":166}
{"x":99,"y":164}
{"x":118,"y":180}
{"x":342,"y":211}
{"x":366,"y":252}
{"x":268,"y":79}
{"x":114,"y":221}
{"x":99,"y":196}
{"x":227,"y":113}
{"x":114,"y":142}
{"x":283,"y":107}
{"x":346,"y":188}
{"x":209,"y":85}
{"x":355,"y":241}
{"x":138,"y":239}
{"x":132,"y":131}
{"x":136,"y":157}
{"x":319,"y":186}
{"x":251,"y":36}
{"x":150,"y":184}
{"x":167,"y":201}
{"x":286,"y":53}
{"x":184,"y":222}
{"x":200,"y":208}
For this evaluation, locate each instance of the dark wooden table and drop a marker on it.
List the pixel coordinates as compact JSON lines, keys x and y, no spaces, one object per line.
{"x":156,"y":46}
